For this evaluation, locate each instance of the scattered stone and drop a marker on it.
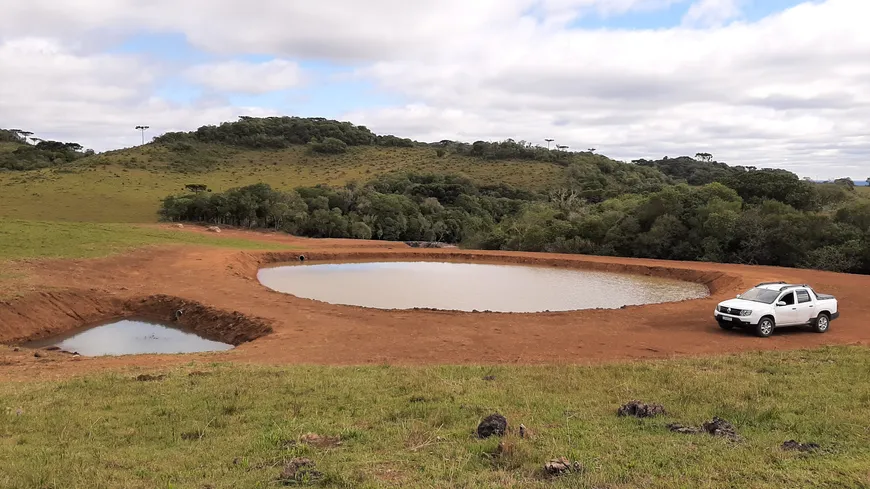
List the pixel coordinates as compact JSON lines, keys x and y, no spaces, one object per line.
{"x":51,"y":348}
{"x":299,"y":470}
{"x":561,"y":466}
{"x":720,"y":427}
{"x":428,"y":244}
{"x":149,"y":377}
{"x":494,"y":424}
{"x":214,"y":229}
{"x":715,"y":427}
{"x":686,"y":430}
{"x":800,"y":447}
{"x":179,"y":225}
{"x":640,"y":410}
{"x":37,"y":354}
{"x":16,"y":349}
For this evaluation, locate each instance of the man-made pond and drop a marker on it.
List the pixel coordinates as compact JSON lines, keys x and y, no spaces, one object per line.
{"x":472,"y":286}
{"x":130,"y":337}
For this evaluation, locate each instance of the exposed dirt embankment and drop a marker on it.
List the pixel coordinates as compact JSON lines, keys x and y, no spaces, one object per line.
{"x":46,"y":314}
{"x":715,"y":281}
{"x":210,"y":284}
{"x":51,"y":313}
{"x":233,"y":328}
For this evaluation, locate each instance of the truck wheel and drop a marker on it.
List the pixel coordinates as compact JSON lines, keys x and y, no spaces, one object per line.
{"x":822,"y":323}
{"x":726,"y":326}
{"x":764,"y":328}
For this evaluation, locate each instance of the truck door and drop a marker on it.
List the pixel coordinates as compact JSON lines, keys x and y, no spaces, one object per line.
{"x":806,"y":308}
{"x":787,"y":314}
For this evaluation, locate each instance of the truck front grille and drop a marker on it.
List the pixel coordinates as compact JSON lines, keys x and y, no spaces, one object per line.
{"x":730,"y":310}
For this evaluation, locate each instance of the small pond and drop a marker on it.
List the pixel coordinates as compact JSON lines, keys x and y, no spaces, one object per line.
{"x":472,"y":286}
{"x":130,"y":337}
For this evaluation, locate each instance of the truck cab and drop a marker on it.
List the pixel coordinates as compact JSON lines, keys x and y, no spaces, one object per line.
{"x":772,"y":304}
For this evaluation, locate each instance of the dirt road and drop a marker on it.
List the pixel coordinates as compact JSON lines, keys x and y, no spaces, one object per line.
{"x":65,"y":294}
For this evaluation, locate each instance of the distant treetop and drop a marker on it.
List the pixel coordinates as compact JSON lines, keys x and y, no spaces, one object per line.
{"x":282,"y":132}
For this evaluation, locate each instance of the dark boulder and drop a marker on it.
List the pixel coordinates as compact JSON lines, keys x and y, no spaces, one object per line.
{"x":494,"y":424}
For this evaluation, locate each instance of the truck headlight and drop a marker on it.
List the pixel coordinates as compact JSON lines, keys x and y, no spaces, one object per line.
{"x":745,"y":312}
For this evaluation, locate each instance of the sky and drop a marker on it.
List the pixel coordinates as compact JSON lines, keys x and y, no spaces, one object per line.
{"x":766,"y":83}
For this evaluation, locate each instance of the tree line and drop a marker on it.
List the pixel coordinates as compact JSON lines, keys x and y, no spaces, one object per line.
{"x":32,"y":153}
{"x":767,"y":217}
{"x":322,"y":135}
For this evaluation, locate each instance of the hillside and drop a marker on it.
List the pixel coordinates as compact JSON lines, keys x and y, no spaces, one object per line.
{"x":284,"y":152}
{"x":127,"y":185}
{"x":320,"y":178}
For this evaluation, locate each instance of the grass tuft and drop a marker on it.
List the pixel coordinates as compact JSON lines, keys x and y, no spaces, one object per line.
{"x":40,"y":239}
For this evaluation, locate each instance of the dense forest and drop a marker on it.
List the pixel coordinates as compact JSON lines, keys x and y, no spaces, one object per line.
{"x":38,"y":154}
{"x":768,"y":217}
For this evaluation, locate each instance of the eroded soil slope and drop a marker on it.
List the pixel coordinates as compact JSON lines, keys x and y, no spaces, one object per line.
{"x":64,"y":294}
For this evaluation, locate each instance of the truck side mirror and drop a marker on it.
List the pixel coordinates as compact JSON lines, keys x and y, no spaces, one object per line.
{"x":781,"y":304}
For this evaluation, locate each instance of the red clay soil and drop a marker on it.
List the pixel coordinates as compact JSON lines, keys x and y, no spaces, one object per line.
{"x":221,"y":284}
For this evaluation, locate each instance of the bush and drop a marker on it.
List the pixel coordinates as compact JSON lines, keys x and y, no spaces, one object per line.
{"x":331,"y":146}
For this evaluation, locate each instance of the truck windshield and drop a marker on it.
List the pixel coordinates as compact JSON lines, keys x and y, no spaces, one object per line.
{"x":766,"y":296}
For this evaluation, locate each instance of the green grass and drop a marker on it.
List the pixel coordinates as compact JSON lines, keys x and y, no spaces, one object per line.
{"x":127,"y":185}
{"x":38,"y":239}
{"x":412,"y":427}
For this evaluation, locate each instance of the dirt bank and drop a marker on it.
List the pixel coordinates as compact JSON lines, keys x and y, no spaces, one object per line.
{"x":47,"y":314}
{"x":223,"y":284}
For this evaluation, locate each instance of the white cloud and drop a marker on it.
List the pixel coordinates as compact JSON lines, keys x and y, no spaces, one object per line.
{"x":792,"y":90}
{"x":789,"y":90}
{"x":338,"y":29}
{"x":95,"y":100}
{"x":244,"y":77}
{"x":712,"y":12}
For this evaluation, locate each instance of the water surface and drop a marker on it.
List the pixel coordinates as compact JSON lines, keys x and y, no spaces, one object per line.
{"x":130,"y":337}
{"x":472,"y":286}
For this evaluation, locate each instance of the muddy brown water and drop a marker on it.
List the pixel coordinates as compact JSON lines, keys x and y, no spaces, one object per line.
{"x":471,"y":286}
{"x":129,"y":337}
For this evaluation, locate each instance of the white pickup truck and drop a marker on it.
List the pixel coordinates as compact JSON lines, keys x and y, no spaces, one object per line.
{"x":772,"y":304}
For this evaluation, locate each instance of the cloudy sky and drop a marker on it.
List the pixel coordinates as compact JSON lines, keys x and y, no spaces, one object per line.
{"x":778,"y":83}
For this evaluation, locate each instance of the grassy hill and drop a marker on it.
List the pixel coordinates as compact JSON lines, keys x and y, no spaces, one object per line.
{"x":127,"y":185}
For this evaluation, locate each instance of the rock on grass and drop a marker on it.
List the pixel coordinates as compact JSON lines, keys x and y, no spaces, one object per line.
{"x":792,"y":445}
{"x":299,"y":470}
{"x":561,"y":466}
{"x":715,"y":427}
{"x":494,"y":424}
{"x":640,"y":410}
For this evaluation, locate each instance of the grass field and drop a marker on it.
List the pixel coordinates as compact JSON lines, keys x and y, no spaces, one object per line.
{"x":36,"y":239}
{"x":413,"y":427}
{"x":127,"y":185}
